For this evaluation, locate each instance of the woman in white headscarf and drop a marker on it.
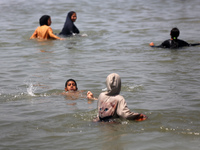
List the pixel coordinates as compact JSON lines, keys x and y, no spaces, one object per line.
{"x":112,"y":105}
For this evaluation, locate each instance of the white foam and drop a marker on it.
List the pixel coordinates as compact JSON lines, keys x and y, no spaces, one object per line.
{"x":105,"y":89}
{"x":84,"y":35}
{"x":31,"y":89}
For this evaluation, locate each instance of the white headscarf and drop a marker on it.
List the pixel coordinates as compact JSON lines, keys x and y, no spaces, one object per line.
{"x":113,"y":83}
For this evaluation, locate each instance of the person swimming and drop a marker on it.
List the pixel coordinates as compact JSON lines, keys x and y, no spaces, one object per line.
{"x":174,"y":42}
{"x":71,"y":90}
{"x":71,"y":85}
{"x":44,"y":31}
{"x":69,"y":28}
{"x":112,"y":105}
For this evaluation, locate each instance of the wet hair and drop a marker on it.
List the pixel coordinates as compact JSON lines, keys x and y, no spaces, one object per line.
{"x":71,"y":80}
{"x":174,"y":33}
{"x":44,"y":20}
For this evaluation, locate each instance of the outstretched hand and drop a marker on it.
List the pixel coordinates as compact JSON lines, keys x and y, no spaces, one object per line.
{"x":151,"y":44}
{"x":90,"y":96}
{"x":141,"y":117}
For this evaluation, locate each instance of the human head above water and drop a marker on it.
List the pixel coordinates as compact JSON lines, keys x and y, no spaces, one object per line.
{"x":174,"y":33}
{"x":113,"y":84}
{"x":45,"y":20}
{"x":72,"y":16}
{"x":71,"y":85}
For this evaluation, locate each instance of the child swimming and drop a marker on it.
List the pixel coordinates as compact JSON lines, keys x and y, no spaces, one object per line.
{"x":44,"y":31}
{"x":174,"y":42}
{"x":112,"y":105}
{"x":71,"y":85}
{"x":71,"y":90}
{"x":69,"y":27}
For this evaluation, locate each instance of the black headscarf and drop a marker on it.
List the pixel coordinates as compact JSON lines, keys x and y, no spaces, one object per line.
{"x":69,"y":27}
{"x":44,"y":20}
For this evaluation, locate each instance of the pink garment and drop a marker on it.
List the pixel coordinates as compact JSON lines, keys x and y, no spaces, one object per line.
{"x":112,"y":105}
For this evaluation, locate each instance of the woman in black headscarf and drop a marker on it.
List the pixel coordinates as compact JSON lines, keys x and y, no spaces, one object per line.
{"x":69,"y":27}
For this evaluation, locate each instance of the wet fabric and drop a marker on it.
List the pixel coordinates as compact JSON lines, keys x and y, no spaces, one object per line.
{"x":112,"y":105}
{"x":69,"y":27}
{"x":175,"y":44}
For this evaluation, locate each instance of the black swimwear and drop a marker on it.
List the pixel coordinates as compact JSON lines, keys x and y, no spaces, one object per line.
{"x":175,"y":44}
{"x":69,"y":27}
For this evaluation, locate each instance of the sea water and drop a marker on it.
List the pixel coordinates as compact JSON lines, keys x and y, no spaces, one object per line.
{"x":161,"y":83}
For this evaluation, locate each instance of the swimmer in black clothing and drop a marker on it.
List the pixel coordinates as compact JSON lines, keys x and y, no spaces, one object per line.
{"x":174,"y":42}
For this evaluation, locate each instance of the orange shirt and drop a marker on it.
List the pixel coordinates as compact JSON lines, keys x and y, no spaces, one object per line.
{"x":44,"y":32}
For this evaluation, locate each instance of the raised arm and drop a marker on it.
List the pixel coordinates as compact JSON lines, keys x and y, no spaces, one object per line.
{"x":90,"y":96}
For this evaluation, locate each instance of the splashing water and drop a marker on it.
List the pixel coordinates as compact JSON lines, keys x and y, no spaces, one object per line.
{"x":31,"y":89}
{"x":105,"y":89}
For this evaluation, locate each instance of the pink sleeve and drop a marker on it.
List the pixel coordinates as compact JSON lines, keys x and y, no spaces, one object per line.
{"x":124,"y":112}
